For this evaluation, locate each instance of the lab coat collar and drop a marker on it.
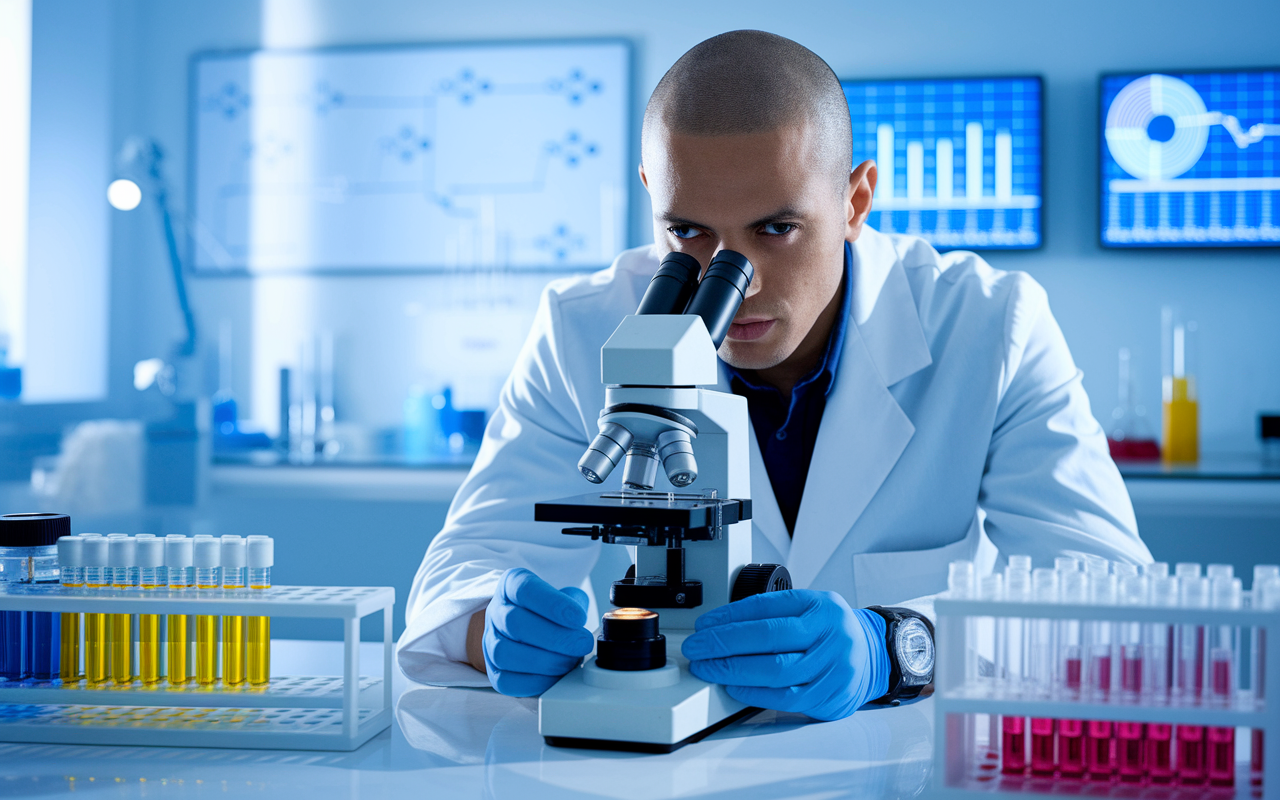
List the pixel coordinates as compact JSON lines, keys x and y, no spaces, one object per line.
{"x":864,"y":431}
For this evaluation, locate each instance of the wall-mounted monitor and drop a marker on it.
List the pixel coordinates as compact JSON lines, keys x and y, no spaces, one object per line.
{"x":388,"y":159}
{"x":1191,"y":159}
{"x":959,"y":159}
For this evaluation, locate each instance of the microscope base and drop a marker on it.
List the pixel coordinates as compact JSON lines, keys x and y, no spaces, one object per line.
{"x":574,"y":713}
{"x":648,"y":747}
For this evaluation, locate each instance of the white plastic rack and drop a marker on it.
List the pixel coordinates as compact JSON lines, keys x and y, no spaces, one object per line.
{"x":289,"y":713}
{"x":954,"y":754}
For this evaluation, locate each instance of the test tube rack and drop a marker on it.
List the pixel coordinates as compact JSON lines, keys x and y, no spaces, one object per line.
{"x":954,"y":697}
{"x":289,"y":713}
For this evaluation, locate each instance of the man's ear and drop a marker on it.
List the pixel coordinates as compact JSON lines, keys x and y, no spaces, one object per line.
{"x":644,"y":179}
{"x":862,"y":187}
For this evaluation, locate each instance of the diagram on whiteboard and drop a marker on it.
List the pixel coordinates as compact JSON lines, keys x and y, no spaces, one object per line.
{"x":1191,"y":160}
{"x":459,"y":157}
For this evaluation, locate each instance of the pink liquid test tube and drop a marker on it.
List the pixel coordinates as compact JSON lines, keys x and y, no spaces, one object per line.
{"x":1043,"y":658}
{"x":1100,"y":751}
{"x":1224,"y":660}
{"x":1013,"y":658}
{"x":1265,"y":594}
{"x":1130,"y":750}
{"x":1190,"y":744}
{"x":1073,"y":587}
{"x":1158,"y":649}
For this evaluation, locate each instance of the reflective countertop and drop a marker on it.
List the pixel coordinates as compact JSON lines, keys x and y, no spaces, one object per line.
{"x":447,"y":743}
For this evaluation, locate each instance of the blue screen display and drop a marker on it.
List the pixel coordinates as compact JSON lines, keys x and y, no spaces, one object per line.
{"x":513,"y":156}
{"x":1191,"y":159}
{"x":959,"y":160}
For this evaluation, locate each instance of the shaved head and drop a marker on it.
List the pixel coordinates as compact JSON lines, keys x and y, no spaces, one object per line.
{"x":745,"y":82}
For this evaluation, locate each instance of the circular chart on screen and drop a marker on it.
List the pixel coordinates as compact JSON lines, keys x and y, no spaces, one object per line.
{"x":1155,"y":127}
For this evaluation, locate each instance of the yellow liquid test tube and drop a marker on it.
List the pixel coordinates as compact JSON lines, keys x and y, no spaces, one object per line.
{"x":206,"y":555}
{"x":179,"y":573}
{"x":260,"y":558}
{"x":71,"y":575}
{"x":233,"y":633}
{"x":150,"y":552}
{"x":96,"y":577}
{"x":122,"y":552}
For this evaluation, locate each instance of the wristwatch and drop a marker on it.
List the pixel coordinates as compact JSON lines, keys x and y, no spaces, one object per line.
{"x":909,"y":640}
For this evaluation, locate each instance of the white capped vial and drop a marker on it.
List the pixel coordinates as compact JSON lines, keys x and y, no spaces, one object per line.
{"x":206,"y":556}
{"x":234,"y":562}
{"x":71,"y":560}
{"x":122,"y":554}
{"x":260,"y":558}
{"x":150,"y":555}
{"x":1219,"y":571}
{"x":1156,"y":569}
{"x":178,"y":561}
{"x":97,"y":569}
{"x":960,"y":579}
{"x":1020,"y":562}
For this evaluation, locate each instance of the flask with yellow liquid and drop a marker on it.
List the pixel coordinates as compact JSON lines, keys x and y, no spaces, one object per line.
{"x":1180,"y":442}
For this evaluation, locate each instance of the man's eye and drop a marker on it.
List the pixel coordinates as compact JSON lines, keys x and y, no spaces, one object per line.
{"x":777,"y":228}
{"x":683,"y":231}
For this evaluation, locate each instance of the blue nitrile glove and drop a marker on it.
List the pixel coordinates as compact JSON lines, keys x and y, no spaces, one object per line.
{"x":533,"y":633}
{"x":797,"y":650}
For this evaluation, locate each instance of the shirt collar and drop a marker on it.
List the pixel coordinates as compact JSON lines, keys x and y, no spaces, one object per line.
{"x":825,"y":372}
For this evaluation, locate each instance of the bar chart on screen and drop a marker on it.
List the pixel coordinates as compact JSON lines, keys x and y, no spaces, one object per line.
{"x":958,"y":160}
{"x":1191,"y":160}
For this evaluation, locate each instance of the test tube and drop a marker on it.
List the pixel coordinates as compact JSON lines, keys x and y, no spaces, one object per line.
{"x":261,"y":557}
{"x":97,"y":577}
{"x":1013,"y":729}
{"x":178,"y":572}
{"x":233,"y":635}
{"x":1224,"y":660}
{"x":1044,"y":589}
{"x":991,"y":588}
{"x":71,"y":568}
{"x":1073,"y":589}
{"x":960,"y":738}
{"x":207,"y":557}
{"x":150,"y":577}
{"x":1266,"y":596}
{"x":1262,"y":593}
{"x":1190,"y":668}
{"x":1101,"y":745}
{"x":1130,"y":750}
{"x":122,"y":552}
{"x":1158,"y":658}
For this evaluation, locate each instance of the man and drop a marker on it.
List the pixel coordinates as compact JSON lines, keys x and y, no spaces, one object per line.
{"x":908,"y":409}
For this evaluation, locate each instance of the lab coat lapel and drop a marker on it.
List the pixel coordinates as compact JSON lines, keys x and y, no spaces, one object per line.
{"x":864,"y":431}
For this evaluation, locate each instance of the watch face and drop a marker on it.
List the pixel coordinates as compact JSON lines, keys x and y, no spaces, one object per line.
{"x":915,"y":648}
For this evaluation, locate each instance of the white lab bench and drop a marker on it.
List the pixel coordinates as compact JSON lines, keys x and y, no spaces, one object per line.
{"x":464,"y":743}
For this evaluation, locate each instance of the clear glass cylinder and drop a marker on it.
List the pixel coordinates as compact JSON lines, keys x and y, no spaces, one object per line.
{"x":260,"y":577}
{"x":180,"y":577}
{"x":208,"y":577}
{"x":1180,"y":442}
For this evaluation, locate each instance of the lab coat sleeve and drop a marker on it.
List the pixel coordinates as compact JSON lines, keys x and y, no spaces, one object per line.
{"x":530,"y":446}
{"x":1049,"y":486}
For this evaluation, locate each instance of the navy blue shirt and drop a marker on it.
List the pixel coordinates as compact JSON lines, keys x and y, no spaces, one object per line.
{"x":787,"y":428}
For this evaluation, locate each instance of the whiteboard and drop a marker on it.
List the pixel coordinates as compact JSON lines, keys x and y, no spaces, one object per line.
{"x":449,"y":157}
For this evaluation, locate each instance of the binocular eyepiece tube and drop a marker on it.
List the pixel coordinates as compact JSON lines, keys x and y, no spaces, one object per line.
{"x":675,"y":289}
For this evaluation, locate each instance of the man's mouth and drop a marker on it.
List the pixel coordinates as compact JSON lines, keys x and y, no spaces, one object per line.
{"x":750,"y":329}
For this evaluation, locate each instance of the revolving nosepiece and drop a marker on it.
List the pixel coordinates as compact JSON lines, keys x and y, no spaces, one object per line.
{"x":675,"y":448}
{"x":605,"y":453}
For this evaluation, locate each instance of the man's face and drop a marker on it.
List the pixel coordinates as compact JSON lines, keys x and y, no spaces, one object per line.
{"x":769,"y":197}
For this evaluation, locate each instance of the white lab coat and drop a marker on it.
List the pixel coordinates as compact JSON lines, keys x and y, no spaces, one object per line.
{"x":957,"y":427}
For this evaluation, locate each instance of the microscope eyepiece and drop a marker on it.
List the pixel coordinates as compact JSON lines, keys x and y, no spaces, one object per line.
{"x":671,"y":286}
{"x":721,"y":293}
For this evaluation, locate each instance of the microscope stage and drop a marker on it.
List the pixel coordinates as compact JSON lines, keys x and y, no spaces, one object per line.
{"x":644,"y":509}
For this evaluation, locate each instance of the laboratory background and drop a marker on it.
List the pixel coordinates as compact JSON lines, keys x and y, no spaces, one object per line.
{"x":228,"y":306}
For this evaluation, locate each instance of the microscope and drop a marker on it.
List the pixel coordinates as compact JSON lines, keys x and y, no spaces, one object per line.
{"x":688,"y":517}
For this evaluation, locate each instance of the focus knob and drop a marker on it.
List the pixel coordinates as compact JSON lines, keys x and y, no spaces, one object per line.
{"x":760,"y":578}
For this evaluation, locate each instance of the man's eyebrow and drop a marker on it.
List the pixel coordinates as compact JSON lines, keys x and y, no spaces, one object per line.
{"x":674,"y":220}
{"x":780,"y":214}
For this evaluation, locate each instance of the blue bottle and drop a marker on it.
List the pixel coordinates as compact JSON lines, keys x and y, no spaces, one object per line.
{"x":29,"y":554}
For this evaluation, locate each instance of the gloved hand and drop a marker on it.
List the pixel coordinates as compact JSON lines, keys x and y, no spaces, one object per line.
{"x":798,"y":650}
{"x":533,"y":634}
